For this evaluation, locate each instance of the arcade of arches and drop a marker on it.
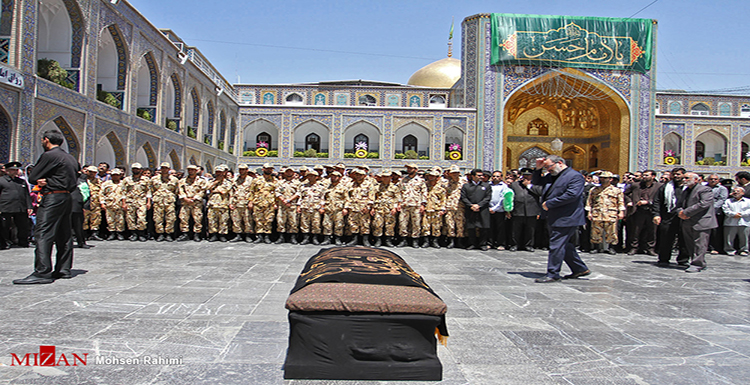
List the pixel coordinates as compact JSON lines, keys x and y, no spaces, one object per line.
{"x":593,"y":127}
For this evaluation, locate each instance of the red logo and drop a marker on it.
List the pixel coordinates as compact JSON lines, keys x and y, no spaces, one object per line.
{"x":47,"y":357}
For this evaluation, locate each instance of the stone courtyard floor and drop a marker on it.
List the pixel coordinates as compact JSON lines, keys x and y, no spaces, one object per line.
{"x":217,"y":310}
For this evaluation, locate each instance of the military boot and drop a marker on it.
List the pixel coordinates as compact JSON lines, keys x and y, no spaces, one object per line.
{"x":434,"y":243}
{"x":293,"y":237}
{"x":258,"y":238}
{"x":280,"y":240}
{"x":327,"y":240}
{"x":143,"y":236}
{"x":237,"y":238}
{"x":378,"y":242}
{"x":168,"y":237}
{"x":305,"y":239}
{"x":160,"y":238}
{"x":451,"y":243}
{"x":338,"y":241}
{"x":402,"y":243}
{"x":120,"y":237}
{"x":183,"y":237}
{"x":415,"y":242}
{"x":388,"y":241}
{"x":196,"y":237}
{"x":133,"y":236}
{"x":112,"y":236}
{"x":267,"y":238}
{"x":315,"y":239}
{"x":353,"y":241}
{"x":213,"y":238}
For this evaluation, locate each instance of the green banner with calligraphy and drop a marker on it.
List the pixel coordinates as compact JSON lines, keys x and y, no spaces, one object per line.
{"x":567,"y":41}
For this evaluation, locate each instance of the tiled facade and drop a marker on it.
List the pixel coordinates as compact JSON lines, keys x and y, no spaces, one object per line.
{"x":90,"y":125}
{"x":190,"y":114}
{"x":699,"y":126}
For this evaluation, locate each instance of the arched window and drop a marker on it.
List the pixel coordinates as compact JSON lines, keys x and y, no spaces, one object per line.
{"x":700,"y":150}
{"x":537,"y":127}
{"x":594,"y":157}
{"x":725,"y":109}
{"x":700,"y":109}
{"x":312,"y":141}
{"x":745,"y":111}
{"x":409,"y":143}
{"x":437,"y":101}
{"x":367,"y":100}
{"x":361,"y":138}
{"x":675,"y":108}
{"x":294,"y":99}
{"x":263,"y":137}
{"x":745,"y":150}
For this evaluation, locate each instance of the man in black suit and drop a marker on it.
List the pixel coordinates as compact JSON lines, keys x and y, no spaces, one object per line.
{"x":743,"y":178}
{"x":526,"y":212}
{"x":666,"y":206}
{"x":15,"y":205}
{"x":562,"y":202}
{"x":55,"y":173}
{"x":640,"y":224}
{"x":476,"y":196}
{"x":697,"y":214}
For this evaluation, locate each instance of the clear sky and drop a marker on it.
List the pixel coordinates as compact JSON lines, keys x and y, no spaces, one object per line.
{"x":699,"y":43}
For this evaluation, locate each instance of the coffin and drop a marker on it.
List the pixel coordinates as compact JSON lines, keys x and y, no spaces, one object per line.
{"x":361,"y":313}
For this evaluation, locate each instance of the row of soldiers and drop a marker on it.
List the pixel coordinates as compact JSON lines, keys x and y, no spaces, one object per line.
{"x":308,"y":207}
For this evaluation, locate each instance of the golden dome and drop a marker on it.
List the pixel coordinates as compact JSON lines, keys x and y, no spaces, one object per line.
{"x":440,"y":74}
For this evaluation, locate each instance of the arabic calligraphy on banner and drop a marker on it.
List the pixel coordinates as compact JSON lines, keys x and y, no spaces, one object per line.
{"x":12,"y":77}
{"x":581,"y":42}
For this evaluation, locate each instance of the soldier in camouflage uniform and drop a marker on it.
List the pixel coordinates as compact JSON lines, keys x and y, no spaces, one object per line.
{"x":333,"y":210}
{"x":454,"y":208}
{"x":359,"y":201}
{"x":310,"y":208}
{"x":111,"y":202}
{"x":92,"y":217}
{"x":384,"y":210}
{"x":263,"y":203}
{"x":605,"y":206}
{"x":432,"y":220}
{"x":219,"y":194}
{"x":191,"y":191}
{"x":242,"y":218}
{"x":286,"y":195}
{"x":163,"y":196}
{"x":414,"y":194}
{"x":137,"y":194}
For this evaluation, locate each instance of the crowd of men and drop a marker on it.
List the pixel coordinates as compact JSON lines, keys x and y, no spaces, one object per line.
{"x":419,"y":208}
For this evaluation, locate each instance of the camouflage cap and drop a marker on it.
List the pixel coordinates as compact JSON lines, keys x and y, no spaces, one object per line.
{"x":136,"y":165}
{"x":89,"y":168}
{"x":165,"y":164}
{"x":241,"y":166}
{"x":116,"y":171}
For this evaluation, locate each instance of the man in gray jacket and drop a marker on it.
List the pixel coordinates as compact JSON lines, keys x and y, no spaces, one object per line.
{"x":698,"y":219}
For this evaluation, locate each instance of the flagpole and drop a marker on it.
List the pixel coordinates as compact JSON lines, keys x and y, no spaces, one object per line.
{"x":450,"y":40}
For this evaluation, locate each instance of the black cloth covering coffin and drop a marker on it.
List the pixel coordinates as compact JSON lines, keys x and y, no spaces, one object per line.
{"x":362,"y":346}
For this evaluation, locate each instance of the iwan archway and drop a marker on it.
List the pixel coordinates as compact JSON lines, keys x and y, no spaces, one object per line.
{"x":570,"y":112}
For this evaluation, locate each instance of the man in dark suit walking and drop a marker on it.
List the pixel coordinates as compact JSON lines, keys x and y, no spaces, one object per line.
{"x":698,"y":219}
{"x":476,"y":196}
{"x":55,"y":173}
{"x":562,"y":202}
